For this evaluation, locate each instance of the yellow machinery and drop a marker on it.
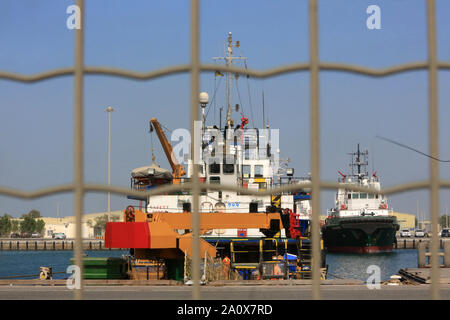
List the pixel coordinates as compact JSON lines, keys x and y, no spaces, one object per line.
{"x":177,"y":169}
{"x":273,"y":258}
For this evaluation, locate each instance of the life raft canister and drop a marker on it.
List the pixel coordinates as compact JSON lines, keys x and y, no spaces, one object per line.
{"x":244,"y":121}
{"x":343,"y":207}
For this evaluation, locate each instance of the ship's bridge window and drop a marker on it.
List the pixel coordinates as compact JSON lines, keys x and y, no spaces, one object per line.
{"x":363,"y":195}
{"x":214,"y":168}
{"x":247,"y":148}
{"x":349,"y":195}
{"x":355,"y":195}
{"x":215,"y":180}
{"x":228,"y":168}
{"x":258,"y":171}
{"x":371,"y":196}
{"x":187,"y":207}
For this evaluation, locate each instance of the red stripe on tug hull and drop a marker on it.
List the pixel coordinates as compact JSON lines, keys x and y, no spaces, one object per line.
{"x":350,"y":249}
{"x":124,"y":235}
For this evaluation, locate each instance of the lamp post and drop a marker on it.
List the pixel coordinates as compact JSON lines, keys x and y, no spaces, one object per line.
{"x":109,"y":110}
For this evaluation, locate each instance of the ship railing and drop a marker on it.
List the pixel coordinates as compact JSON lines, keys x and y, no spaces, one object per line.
{"x":285,"y":181}
{"x":354,"y":179}
{"x":143,"y":184}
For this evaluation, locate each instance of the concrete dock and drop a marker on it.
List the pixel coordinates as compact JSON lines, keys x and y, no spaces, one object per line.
{"x":412,"y":243}
{"x":49,"y":244}
{"x":95,"y":244}
{"x":248,"y":292}
{"x":344,"y":289}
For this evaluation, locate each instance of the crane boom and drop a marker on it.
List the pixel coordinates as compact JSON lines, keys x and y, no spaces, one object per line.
{"x":178,"y":170}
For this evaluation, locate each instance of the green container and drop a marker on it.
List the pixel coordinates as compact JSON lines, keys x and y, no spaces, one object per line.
{"x":104,"y":268}
{"x":175,"y":269}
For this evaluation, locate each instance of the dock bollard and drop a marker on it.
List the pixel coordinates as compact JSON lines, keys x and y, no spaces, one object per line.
{"x":421,"y":257}
{"x":446,"y":254}
{"x":46,"y":273}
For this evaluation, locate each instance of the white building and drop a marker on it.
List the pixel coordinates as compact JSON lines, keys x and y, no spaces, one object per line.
{"x":66,"y":225}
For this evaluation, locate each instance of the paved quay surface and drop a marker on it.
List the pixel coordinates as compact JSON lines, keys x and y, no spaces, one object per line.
{"x":334,"y":292}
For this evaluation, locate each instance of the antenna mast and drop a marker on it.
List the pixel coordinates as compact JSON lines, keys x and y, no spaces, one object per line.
{"x":228,"y":61}
{"x":359,"y":160}
{"x":264,"y":117}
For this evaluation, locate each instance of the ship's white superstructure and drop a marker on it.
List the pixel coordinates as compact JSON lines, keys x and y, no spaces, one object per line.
{"x":251,"y":172}
{"x":241,"y":157}
{"x":350,"y":203}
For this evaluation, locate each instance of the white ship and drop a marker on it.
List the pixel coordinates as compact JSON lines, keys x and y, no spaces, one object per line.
{"x":234,"y":155}
{"x":356,"y":204}
{"x":360,"y":222}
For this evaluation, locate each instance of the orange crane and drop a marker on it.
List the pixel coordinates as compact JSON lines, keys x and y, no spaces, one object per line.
{"x":177,"y":169}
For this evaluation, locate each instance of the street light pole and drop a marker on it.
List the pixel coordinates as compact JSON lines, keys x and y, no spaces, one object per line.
{"x":446,"y":216}
{"x":109,"y":110}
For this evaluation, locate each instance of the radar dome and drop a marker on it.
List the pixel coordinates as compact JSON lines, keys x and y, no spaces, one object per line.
{"x":203,"y":97}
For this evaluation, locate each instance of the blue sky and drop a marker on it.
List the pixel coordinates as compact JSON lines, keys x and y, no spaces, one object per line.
{"x":36,"y":120}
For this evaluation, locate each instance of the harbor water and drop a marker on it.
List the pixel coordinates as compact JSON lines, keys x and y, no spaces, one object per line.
{"x":347,"y":266}
{"x":18,"y":263}
{"x":354,"y":266}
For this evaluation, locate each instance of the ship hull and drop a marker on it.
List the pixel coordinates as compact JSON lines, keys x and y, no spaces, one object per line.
{"x":360,"y":234}
{"x":359,"y":249}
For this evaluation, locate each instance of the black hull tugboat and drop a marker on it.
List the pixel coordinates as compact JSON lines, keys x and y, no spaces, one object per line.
{"x":360,"y":222}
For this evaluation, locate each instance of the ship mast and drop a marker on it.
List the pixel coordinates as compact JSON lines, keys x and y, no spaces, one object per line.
{"x":229,"y":60}
{"x":359,"y":160}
